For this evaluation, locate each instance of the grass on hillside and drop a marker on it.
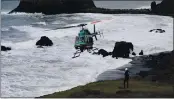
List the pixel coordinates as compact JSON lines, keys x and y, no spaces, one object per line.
{"x":158,"y":83}
{"x":112,"y":89}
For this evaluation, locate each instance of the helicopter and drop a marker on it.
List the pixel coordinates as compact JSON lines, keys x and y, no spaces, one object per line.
{"x":84,"y":40}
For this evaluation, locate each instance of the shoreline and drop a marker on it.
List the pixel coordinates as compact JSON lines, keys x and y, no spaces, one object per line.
{"x":140,"y":61}
{"x":107,"y":11}
{"x":135,"y":66}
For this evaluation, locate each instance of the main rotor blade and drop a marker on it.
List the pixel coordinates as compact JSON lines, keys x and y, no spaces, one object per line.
{"x":62,"y":28}
{"x":66,"y":27}
{"x":94,"y":22}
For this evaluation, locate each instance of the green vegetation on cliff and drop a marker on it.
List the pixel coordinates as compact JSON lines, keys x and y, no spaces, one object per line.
{"x":114,"y":89}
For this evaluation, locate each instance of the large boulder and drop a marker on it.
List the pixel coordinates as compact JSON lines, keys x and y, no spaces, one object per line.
{"x":44,"y":41}
{"x":53,"y":6}
{"x":133,"y":53}
{"x":122,"y":49}
{"x":3,"y":48}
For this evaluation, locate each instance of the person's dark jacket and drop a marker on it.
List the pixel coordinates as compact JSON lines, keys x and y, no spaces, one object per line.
{"x":126,"y":74}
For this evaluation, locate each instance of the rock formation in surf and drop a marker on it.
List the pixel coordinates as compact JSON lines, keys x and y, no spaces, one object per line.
{"x":53,"y":6}
{"x":165,"y":7}
{"x":133,"y":53}
{"x":44,"y":41}
{"x":122,"y":49}
{"x":141,"y":53}
{"x":103,"y":52}
{"x":157,"y":30}
{"x":3,"y":48}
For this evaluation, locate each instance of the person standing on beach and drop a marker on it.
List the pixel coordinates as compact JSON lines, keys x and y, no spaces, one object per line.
{"x":126,"y":78}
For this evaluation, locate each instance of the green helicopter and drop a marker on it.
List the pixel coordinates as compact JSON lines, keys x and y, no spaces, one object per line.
{"x":84,"y":40}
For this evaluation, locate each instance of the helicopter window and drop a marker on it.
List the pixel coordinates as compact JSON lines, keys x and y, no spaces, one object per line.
{"x":82,"y":39}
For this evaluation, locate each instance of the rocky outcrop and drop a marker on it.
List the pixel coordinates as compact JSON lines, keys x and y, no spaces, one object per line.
{"x":153,"y":6}
{"x":53,"y":6}
{"x":133,"y":53}
{"x":165,"y":7}
{"x":122,"y":49}
{"x":157,"y":30}
{"x":103,"y":52}
{"x":44,"y":41}
{"x":141,"y":53}
{"x":3,"y":48}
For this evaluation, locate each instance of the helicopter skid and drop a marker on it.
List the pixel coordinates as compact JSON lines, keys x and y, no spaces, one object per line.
{"x":76,"y":54}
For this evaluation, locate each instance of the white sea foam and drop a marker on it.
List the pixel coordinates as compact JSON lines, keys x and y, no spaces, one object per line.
{"x":40,"y":23}
{"x":20,"y":14}
{"x":144,"y":7}
{"x":4,"y":29}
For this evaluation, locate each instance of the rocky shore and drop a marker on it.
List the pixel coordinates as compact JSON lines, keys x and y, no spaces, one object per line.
{"x":156,"y":82}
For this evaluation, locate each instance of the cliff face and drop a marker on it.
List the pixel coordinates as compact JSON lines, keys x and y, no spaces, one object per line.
{"x":165,"y":7}
{"x":53,"y":6}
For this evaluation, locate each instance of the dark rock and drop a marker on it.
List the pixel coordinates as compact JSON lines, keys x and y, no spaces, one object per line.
{"x":109,"y":53}
{"x":141,"y":53}
{"x":103,"y":52}
{"x":160,"y":30}
{"x":165,"y":7}
{"x":122,"y":49}
{"x":53,"y":6}
{"x":151,"y":30}
{"x":134,"y":53}
{"x":3,"y":48}
{"x":44,"y":41}
{"x":157,"y":30}
{"x":153,"y":6}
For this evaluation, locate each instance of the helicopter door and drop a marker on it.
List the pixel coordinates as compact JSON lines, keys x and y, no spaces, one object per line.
{"x":91,"y":40}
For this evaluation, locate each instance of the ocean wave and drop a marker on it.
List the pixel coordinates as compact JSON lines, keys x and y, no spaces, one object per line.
{"x":5,"y":29}
{"x":143,"y":7}
{"x":58,"y":22}
{"x":20,"y":13}
{"x":40,"y":23}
